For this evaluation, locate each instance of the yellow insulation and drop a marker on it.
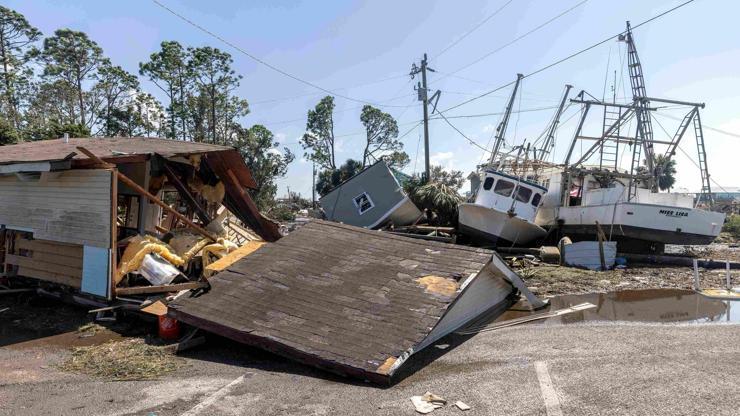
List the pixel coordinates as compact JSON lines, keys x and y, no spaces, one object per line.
{"x":140,"y":246}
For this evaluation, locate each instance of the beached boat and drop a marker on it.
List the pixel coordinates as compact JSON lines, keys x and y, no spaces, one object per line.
{"x":505,"y":204}
{"x":504,"y":210}
{"x":628,"y":203}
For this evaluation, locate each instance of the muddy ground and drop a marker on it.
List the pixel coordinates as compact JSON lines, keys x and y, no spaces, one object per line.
{"x":551,"y":280}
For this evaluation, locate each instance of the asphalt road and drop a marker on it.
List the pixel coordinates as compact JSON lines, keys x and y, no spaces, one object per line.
{"x":576,"y":369}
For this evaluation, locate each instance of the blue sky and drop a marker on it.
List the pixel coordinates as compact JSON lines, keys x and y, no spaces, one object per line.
{"x":363,"y":49}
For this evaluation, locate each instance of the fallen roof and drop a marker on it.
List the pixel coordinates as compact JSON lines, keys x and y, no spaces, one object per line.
{"x":104,"y":148}
{"x":346,"y":299}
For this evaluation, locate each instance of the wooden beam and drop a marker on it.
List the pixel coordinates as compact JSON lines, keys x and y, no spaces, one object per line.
{"x":140,"y":290}
{"x":183,"y":191}
{"x":133,"y":185}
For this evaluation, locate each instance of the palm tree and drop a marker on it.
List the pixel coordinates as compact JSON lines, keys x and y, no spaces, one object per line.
{"x":667,"y":172}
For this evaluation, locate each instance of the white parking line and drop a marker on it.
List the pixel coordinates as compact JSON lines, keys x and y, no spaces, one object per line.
{"x":219,"y":394}
{"x":549,"y":395}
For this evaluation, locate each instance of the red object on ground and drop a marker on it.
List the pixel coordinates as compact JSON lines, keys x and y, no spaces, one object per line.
{"x":169,"y":328}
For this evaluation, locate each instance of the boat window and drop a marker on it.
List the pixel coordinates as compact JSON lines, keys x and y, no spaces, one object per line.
{"x":504,"y":188}
{"x":487,"y":184}
{"x":536,"y":199}
{"x":523,"y":194}
{"x":363,"y":203}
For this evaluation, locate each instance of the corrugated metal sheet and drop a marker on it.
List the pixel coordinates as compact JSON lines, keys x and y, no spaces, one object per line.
{"x":336,"y":296}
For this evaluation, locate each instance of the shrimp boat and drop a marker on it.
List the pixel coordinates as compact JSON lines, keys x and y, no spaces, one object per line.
{"x":505,"y":204}
{"x":592,"y":187}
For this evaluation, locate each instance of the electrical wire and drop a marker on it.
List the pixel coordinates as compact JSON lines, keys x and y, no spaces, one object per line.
{"x":476,"y":27}
{"x":471,"y":141}
{"x":567,"y":58}
{"x":261,"y":61}
{"x":518,"y":38}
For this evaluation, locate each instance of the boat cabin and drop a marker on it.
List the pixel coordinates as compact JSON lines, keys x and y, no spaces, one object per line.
{"x":507,"y":193}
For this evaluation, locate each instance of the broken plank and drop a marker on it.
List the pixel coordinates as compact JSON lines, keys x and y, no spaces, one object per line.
{"x":140,"y":290}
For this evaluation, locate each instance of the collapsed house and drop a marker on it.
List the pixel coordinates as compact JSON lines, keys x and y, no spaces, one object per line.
{"x":83,"y":213}
{"x":349,"y":300}
{"x":371,"y":198}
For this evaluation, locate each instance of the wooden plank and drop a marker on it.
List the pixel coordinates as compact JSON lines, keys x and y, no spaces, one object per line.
{"x":39,"y":264}
{"x":140,"y":290}
{"x":234,"y":256}
{"x":49,"y":258}
{"x":43,"y":246}
{"x":185,"y":194}
{"x":50,"y":276}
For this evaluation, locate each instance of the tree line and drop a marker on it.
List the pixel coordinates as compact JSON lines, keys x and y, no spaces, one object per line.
{"x":64,"y":83}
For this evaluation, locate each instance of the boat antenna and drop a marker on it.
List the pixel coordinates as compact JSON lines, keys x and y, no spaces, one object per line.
{"x":501,"y":129}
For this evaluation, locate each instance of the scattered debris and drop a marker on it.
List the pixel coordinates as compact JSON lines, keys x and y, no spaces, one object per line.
{"x":526,"y":319}
{"x":462,"y":406}
{"x":427,"y":403}
{"x":131,"y":359}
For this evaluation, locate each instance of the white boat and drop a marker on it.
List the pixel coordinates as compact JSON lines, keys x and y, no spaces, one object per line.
{"x":504,"y":211}
{"x":592,"y":187}
{"x":505,"y":205}
{"x":647,"y":221}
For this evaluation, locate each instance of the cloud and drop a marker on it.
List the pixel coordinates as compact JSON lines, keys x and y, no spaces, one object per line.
{"x":444,"y":159}
{"x":489,"y":128}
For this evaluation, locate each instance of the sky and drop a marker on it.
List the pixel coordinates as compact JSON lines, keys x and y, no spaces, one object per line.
{"x":363,"y":50}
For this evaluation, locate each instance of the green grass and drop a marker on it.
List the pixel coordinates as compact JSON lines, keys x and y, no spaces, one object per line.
{"x":732,"y":226}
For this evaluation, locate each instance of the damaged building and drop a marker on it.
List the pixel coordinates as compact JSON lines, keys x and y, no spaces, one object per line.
{"x":83,"y":213}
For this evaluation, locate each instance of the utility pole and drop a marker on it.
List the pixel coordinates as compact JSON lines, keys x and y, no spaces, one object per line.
{"x":313,"y":187}
{"x":422,"y":90}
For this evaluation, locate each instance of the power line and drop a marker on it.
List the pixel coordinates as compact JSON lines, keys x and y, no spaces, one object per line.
{"x":471,"y":141}
{"x":310,"y":94}
{"x":561,"y":14}
{"x":260,"y":61}
{"x":571,"y":56}
{"x":725,"y":132}
{"x":476,"y":27}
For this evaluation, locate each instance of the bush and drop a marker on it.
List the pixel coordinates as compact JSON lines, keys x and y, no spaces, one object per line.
{"x":732,"y":226}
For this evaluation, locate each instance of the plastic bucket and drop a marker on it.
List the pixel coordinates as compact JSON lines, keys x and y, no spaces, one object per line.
{"x":169,"y":328}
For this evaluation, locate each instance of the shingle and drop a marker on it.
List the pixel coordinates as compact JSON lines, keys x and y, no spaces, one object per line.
{"x":341,"y":297}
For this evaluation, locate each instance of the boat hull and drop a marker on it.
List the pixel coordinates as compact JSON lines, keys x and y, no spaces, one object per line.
{"x":634,"y":221}
{"x":496,"y":227}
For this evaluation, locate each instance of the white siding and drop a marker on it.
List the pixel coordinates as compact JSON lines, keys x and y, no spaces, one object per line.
{"x":70,"y":206}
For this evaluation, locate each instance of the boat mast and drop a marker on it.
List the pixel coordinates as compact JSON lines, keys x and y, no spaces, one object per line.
{"x":501,"y":129}
{"x":550,"y":139}
{"x":644,"y":122}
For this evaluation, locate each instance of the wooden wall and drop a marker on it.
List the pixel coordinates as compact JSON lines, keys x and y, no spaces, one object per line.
{"x":48,"y":260}
{"x":71,"y":206}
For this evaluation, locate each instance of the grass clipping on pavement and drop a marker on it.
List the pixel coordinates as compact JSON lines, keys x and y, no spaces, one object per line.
{"x":130,"y":359}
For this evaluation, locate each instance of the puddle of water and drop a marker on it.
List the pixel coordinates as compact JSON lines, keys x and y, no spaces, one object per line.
{"x":648,"y":305}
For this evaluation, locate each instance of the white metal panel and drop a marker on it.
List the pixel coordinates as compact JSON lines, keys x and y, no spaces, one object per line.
{"x":71,"y":206}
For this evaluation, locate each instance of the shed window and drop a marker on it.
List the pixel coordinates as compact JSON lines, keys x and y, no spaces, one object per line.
{"x":363,"y":203}
{"x":504,"y":188}
{"x":487,"y":184}
{"x":536,"y":200}
{"x":523,"y":194}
